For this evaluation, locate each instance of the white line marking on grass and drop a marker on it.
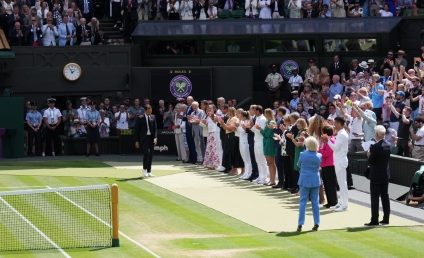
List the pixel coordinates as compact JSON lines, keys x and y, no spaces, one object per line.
{"x":35,"y":228}
{"x":23,"y":187}
{"x":145,"y":248}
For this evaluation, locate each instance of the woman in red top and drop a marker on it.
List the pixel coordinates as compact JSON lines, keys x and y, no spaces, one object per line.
{"x":328,"y":173}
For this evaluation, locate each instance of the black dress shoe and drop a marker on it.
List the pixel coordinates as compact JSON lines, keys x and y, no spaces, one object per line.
{"x":277,"y":186}
{"x":372,"y":224}
{"x":384,"y":222}
{"x":327,"y":206}
{"x":315,"y":228}
{"x":294,"y":191}
{"x":299,"y":228}
{"x":186,"y":161}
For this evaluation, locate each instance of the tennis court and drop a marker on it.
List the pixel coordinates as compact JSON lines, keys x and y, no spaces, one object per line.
{"x":155,"y":222}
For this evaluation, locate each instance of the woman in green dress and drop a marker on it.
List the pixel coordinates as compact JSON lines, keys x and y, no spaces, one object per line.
{"x":270,"y":149}
{"x":298,"y":141}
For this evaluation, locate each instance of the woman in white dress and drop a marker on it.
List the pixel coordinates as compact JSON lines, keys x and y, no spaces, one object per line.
{"x":295,"y":8}
{"x":243,"y":143}
{"x":213,"y":153}
{"x":265,"y":11}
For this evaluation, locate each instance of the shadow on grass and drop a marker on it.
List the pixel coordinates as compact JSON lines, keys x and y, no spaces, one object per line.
{"x":130,"y":179}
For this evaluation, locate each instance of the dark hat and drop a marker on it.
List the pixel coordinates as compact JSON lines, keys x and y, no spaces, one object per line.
{"x":51,"y":100}
{"x":312,"y":60}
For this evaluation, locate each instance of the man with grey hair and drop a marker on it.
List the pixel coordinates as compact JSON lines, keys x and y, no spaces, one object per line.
{"x":189,"y":131}
{"x":220,"y":102}
{"x":379,"y":174}
{"x":195,"y":119}
{"x":369,"y":118}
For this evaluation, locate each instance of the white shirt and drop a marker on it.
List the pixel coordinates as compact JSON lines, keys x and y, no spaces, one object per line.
{"x":383,"y":13}
{"x":122,"y":123}
{"x":273,"y":80}
{"x":53,"y":115}
{"x":82,"y":113}
{"x":147,"y":123}
{"x":178,"y":121}
{"x":355,"y":126}
{"x":420,"y":133}
{"x":295,"y":81}
{"x":261,"y":121}
{"x":340,"y":148}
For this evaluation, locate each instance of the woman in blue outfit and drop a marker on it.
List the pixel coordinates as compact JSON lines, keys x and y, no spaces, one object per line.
{"x":309,"y":181}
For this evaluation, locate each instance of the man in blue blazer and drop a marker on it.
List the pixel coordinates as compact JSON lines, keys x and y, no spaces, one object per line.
{"x":309,"y":181}
{"x":378,"y":159}
{"x":66,"y":32}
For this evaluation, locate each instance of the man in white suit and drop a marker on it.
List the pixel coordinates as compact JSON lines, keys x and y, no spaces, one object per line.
{"x":66,"y":32}
{"x":49,"y":33}
{"x":340,"y":148}
{"x":259,"y":146}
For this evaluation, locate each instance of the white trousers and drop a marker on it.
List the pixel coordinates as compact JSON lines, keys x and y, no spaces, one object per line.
{"x":341,"y":180}
{"x":219,"y":149}
{"x":245,"y":155}
{"x":179,"y":142}
{"x":261,"y":161}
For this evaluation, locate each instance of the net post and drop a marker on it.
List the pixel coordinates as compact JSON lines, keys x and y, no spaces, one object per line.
{"x":115,"y":216}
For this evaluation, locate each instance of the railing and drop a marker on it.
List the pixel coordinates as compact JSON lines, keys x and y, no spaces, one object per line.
{"x":402,"y":169}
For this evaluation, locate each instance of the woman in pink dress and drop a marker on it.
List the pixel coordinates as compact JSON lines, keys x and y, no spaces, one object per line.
{"x":212,"y":159}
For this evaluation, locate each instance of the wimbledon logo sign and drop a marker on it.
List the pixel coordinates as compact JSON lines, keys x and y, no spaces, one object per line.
{"x":287,"y":67}
{"x":180,"y":86}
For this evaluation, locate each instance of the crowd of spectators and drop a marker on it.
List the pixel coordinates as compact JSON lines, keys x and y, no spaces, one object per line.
{"x":69,"y":22}
{"x":52,"y":22}
{"x":364,"y":93}
{"x":78,"y":119}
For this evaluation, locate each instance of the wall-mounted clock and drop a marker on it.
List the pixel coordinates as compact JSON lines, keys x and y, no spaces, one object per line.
{"x":72,"y":72}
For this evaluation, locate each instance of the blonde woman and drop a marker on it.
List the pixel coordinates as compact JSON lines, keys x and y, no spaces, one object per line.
{"x":231,"y":161}
{"x":298,"y":140}
{"x":270,"y":149}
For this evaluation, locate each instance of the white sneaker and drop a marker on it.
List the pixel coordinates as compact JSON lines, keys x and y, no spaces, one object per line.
{"x":150,"y":174}
{"x":335,"y":206}
{"x":43,"y":154}
{"x":341,"y":208}
{"x":53,"y":154}
{"x":220,"y":169}
{"x":145,"y":174}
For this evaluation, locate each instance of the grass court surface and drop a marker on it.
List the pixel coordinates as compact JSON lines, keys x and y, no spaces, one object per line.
{"x":155,"y":222}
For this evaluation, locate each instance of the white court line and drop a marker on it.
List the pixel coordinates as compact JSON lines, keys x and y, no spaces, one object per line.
{"x":145,"y":248}
{"x":23,"y":187}
{"x":35,"y":228}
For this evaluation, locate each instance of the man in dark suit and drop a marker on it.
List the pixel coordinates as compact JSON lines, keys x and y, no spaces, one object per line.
{"x":309,"y":11}
{"x":336,"y":67}
{"x":83,"y":32}
{"x":146,"y":133}
{"x":379,"y":175}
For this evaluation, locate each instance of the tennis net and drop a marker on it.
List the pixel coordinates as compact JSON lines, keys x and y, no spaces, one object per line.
{"x":57,"y":218}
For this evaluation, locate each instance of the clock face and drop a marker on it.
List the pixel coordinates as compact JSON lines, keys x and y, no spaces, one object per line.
{"x":72,"y":71}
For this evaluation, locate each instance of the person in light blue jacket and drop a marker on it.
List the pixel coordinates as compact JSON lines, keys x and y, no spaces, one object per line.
{"x":309,"y":181}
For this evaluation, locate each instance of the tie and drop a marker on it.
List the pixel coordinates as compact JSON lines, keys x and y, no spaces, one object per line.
{"x":147,"y":123}
{"x":67,"y":29}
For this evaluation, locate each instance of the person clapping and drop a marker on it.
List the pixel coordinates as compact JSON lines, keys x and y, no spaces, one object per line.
{"x":309,"y":181}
